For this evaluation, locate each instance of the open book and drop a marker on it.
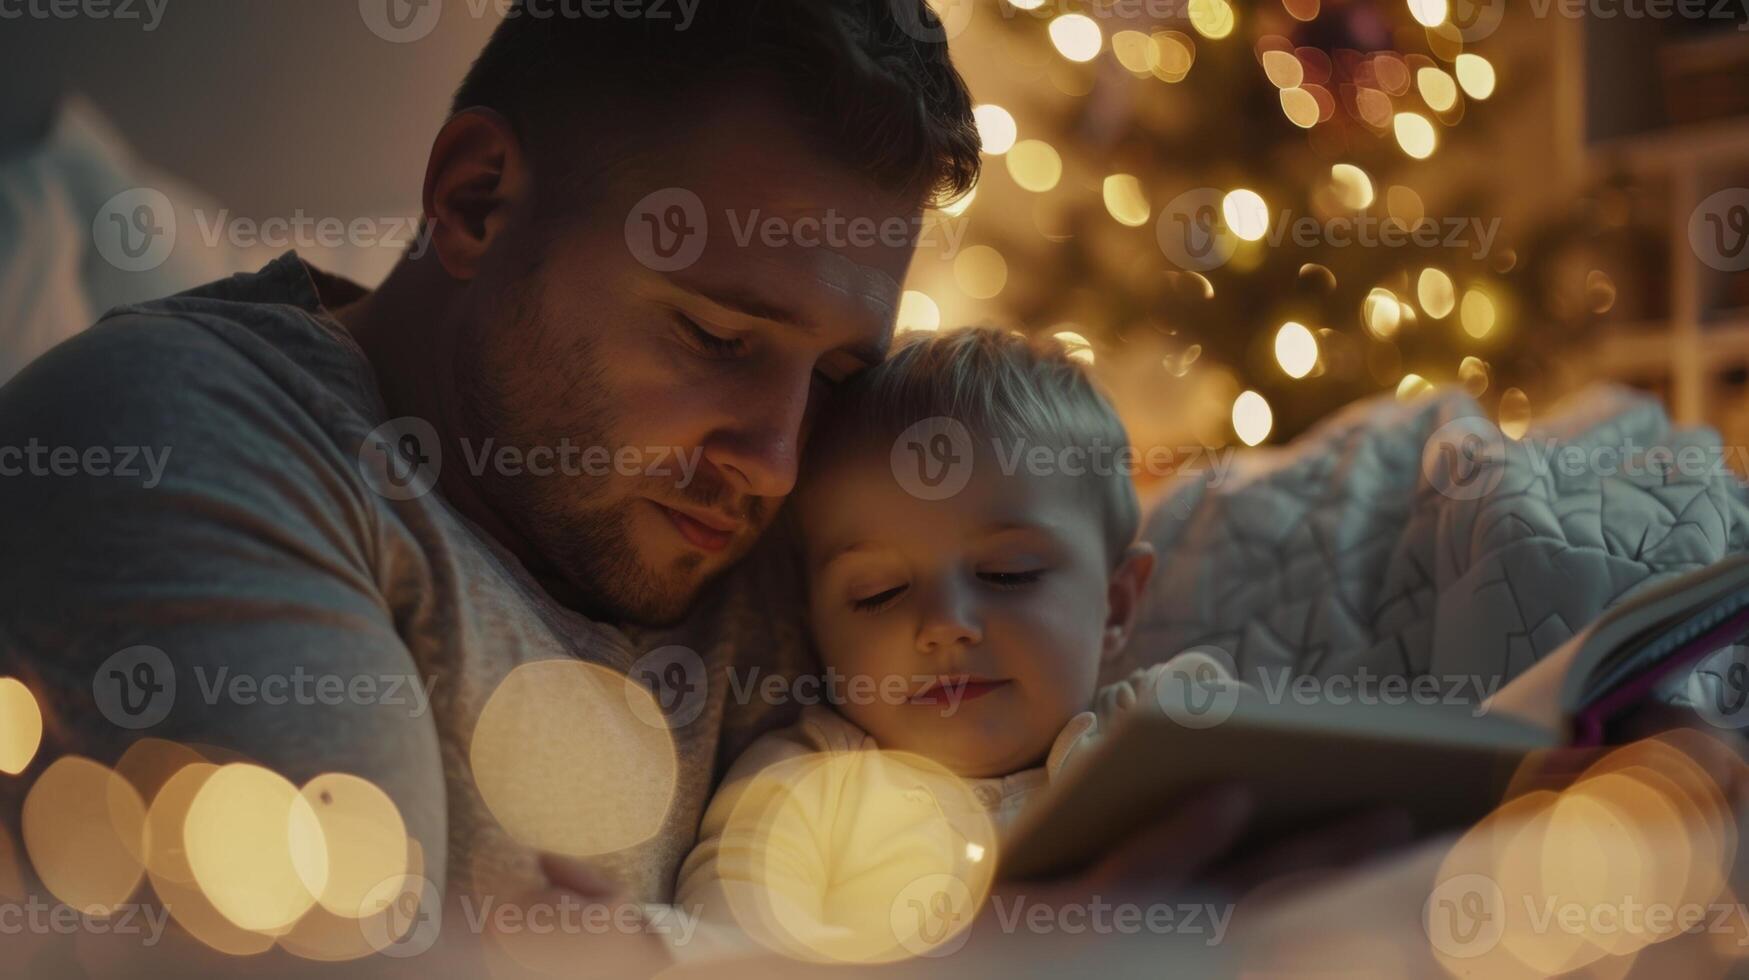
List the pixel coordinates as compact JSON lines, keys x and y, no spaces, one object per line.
{"x":1309,"y":760}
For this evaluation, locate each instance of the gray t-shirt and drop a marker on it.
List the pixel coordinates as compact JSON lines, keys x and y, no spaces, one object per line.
{"x":186,"y":531}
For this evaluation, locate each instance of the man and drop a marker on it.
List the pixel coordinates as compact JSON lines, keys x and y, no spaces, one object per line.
{"x":280,"y":542}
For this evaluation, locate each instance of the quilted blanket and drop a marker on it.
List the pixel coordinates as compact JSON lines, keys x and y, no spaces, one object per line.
{"x":1415,"y":539}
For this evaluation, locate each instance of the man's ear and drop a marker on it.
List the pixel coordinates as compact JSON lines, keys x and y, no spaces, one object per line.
{"x":477,"y":175}
{"x":1124,"y":598}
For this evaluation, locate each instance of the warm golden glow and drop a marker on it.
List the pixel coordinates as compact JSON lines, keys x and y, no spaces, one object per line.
{"x":958,"y":205}
{"x":917,"y":311}
{"x":82,"y":827}
{"x":1135,"y":51}
{"x":21,"y":726}
{"x":1296,"y":349}
{"x":1079,"y":347}
{"x":1381,"y":313}
{"x":1246,"y":213}
{"x":1413,"y":386}
{"x":1300,"y":107}
{"x":981,"y":272}
{"x":1476,"y":74}
{"x":573,"y":758}
{"x":1077,"y":37}
{"x":1415,"y":135}
{"x":1176,"y":54}
{"x":1126,"y":201}
{"x":367,"y":844}
{"x":1514,"y":413}
{"x":1437,"y":294}
{"x":1252,"y":418}
{"x":1213,"y":19}
{"x":1437,"y":89}
{"x":1477,"y":313}
{"x":1473,"y":374}
{"x":1353,"y":186}
{"x":173,"y":880}
{"x":1035,"y":165}
{"x":1430,"y":13}
{"x":1283,"y":69}
{"x":996,"y":128}
{"x":1599,"y":292}
{"x":255,"y":847}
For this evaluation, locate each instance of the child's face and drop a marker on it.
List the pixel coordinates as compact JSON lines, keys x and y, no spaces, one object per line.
{"x":1002,"y":598}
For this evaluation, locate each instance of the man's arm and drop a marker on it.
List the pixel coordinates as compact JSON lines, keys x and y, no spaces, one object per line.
{"x":188,"y":555}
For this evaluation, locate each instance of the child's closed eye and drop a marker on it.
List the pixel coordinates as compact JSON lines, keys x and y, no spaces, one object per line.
{"x":1012,"y":580}
{"x":878,"y":601}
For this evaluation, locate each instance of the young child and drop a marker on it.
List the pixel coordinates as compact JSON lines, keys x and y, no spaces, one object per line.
{"x":970,"y":544}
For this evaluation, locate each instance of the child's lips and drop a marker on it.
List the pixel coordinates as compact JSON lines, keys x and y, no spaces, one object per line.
{"x":957,"y":690}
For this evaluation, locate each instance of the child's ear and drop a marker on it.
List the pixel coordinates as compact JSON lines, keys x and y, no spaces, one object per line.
{"x":1124,"y":597}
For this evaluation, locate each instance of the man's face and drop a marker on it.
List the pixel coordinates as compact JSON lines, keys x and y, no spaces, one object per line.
{"x":680,"y":396}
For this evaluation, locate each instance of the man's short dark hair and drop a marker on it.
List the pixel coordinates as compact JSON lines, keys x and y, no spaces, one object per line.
{"x":588,"y":89}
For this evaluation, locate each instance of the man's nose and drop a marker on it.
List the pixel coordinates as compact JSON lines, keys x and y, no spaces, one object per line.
{"x":758,"y":452}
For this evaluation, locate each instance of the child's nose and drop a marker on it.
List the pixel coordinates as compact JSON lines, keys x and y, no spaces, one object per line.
{"x":949,"y":621}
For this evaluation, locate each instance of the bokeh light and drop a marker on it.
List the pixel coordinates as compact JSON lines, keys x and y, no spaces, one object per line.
{"x":1437,"y":294}
{"x":1077,"y":37}
{"x":1252,"y":418}
{"x":571,"y":758}
{"x":82,"y":826}
{"x":21,"y":726}
{"x":1246,"y":213}
{"x":1126,"y":201}
{"x":1415,"y":135}
{"x":917,"y":312}
{"x":996,"y":128}
{"x":980,"y":271}
{"x":1035,"y":165}
{"x":1296,"y":349}
{"x":1476,"y":74}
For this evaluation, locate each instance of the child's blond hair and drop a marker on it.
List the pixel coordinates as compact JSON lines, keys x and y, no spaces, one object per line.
{"x":1001,"y":385}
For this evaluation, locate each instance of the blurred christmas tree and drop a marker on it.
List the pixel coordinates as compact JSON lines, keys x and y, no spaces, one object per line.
{"x":1221,"y":198}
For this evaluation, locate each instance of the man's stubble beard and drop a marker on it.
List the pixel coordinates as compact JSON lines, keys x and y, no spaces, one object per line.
{"x":580,"y":527}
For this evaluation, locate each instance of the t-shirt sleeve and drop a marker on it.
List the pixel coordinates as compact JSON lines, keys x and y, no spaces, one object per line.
{"x":188,"y":555}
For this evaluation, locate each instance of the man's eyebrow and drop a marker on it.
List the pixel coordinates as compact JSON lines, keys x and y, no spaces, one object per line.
{"x":742,"y":303}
